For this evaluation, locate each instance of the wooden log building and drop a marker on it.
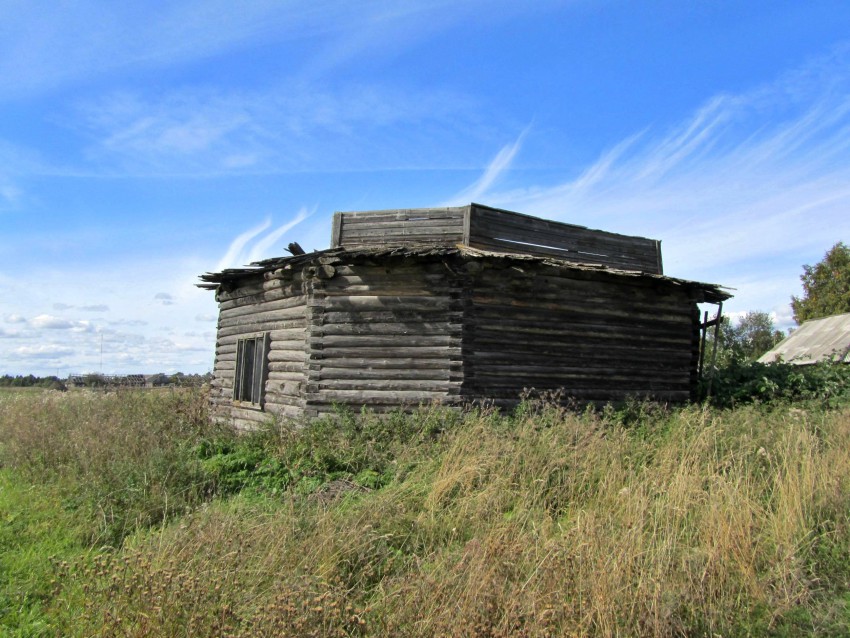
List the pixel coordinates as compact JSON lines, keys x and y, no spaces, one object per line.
{"x":454,"y":305}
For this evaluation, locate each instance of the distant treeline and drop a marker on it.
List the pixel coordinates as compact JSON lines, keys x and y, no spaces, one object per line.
{"x":29,"y":381}
{"x":97,"y":380}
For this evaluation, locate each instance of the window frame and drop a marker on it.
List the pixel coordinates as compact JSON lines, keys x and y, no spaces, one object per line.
{"x":249,"y":382}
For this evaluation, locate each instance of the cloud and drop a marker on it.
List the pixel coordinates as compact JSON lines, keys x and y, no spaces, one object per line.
{"x":44,"y":351}
{"x":164,"y":298}
{"x":206,"y":317}
{"x":280,"y":129}
{"x":498,"y":165}
{"x":14,"y":318}
{"x":263,"y":247}
{"x":61,"y":306}
{"x":239,"y":253}
{"x":95,"y":308}
{"x":128,"y":322}
{"x":233,"y":255}
{"x":8,"y":334}
{"x":744,"y":191}
{"x":51,"y":323}
{"x":132,"y":37}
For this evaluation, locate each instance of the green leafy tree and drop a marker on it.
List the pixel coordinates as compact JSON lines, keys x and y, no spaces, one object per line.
{"x":745,"y":340}
{"x":826,"y":286}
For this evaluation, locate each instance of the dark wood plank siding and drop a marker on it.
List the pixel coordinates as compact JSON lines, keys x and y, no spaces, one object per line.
{"x":495,"y":230}
{"x":507,"y":232}
{"x":275,"y":305}
{"x":599,"y":337}
{"x":403,"y":227}
{"x":384,"y":335}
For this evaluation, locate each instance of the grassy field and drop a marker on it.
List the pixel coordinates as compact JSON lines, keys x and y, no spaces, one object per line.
{"x":128,"y":514}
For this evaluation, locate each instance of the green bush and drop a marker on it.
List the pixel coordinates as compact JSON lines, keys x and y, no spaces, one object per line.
{"x":361,"y":448}
{"x":739,"y":383}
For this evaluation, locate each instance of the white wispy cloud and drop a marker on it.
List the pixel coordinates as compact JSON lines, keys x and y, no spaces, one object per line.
{"x":743,"y":192}
{"x":279,"y":129}
{"x":498,"y":165}
{"x":44,"y":351}
{"x":266,"y":247}
{"x":49,"y":322}
{"x":242,"y":252}
{"x":45,"y":50}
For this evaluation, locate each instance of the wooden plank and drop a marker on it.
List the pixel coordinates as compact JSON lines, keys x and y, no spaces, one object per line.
{"x":550,"y":234}
{"x":336,"y":230}
{"x":405,"y":213}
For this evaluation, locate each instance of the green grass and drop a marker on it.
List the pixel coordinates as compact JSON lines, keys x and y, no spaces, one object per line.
{"x":37,"y":532}
{"x":641,"y":521}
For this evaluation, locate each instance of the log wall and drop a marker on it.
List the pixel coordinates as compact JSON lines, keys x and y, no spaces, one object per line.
{"x":384,"y":335}
{"x":453,"y":327}
{"x":276,"y":304}
{"x":599,"y":337}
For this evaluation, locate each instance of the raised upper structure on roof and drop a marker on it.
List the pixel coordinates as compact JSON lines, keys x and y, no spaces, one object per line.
{"x":495,"y":230}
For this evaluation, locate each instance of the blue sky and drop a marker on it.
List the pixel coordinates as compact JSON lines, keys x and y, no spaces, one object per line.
{"x":142,"y":144}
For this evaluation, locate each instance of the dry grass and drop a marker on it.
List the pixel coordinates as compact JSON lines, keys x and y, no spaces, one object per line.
{"x":546,"y":523}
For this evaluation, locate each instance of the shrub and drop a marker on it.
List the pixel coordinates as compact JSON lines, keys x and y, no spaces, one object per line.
{"x":740,"y":383}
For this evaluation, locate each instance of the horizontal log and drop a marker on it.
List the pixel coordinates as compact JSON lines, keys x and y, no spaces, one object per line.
{"x":262,"y":314}
{"x":288,"y":366}
{"x":286,"y":375}
{"x":287,"y":355}
{"x":386,"y":374}
{"x":370,"y":397}
{"x":378,"y":364}
{"x":384,"y":385}
{"x":257,"y":285}
{"x":265,"y":302}
{"x":377,"y":302}
{"x":294,"y":410}
{"x":400,"y":315}
{"x":386,"y":328}
{"x":328,"y":342}
{"x":400,"y":352}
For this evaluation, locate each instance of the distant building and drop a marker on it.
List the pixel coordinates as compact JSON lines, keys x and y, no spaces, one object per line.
{"x":826,"y":339}
{"x":455,"y":305}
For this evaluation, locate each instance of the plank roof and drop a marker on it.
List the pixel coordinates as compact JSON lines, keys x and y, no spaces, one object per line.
{"x":712,"y":293}
{"x":826,"y":339}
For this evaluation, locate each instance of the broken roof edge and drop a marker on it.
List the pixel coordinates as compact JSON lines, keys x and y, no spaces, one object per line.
{"x":713,"y":293}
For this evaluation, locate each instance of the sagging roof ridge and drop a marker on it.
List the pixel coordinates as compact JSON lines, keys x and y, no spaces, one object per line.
{"x":714,"y":292}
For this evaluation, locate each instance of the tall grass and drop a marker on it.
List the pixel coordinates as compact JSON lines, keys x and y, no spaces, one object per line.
{"x":126,"y":456}
{"x":643,"y":522}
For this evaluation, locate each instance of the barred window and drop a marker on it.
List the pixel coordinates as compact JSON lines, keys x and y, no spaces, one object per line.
{"x":251,"y":369}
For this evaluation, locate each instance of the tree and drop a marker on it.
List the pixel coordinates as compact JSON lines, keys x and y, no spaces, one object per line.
{"x":826,"y":286}
{"x":746,"y":340}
